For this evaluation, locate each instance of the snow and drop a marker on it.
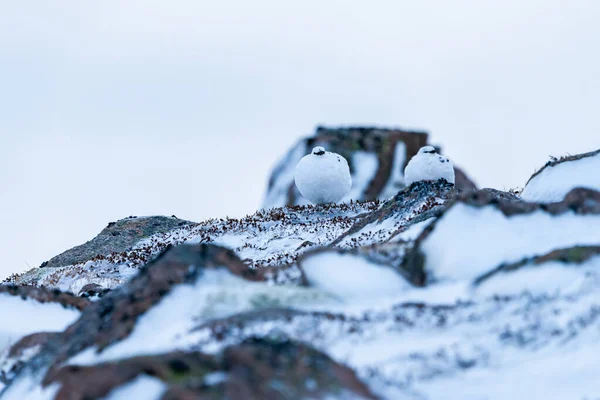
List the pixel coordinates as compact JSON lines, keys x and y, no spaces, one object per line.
{"x":142,"y":387}
{"x":396,"y":180}
{"x":23,"y":317}
{"x":214,"y":378}
{"x":427,"y":165}
{"x":323,"y":177}
{"x":28,"y":388}
{"x":364,"y":168}
{"x":350,"y":277}
{"x":554,"y":182}
{"x":557,"y":374}
{"x":469,"y":241}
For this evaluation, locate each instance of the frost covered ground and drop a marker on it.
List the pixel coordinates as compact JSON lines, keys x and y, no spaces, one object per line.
{"x":433,"y":294}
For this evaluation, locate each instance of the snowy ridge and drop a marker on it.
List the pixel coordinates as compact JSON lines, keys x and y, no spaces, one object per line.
{"x":267,"y":238}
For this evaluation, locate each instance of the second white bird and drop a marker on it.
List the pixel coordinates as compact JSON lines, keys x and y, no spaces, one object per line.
{"x":428,"y":165}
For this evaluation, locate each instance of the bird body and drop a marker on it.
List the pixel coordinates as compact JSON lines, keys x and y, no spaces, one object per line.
{"x":428,"y":165}
{"x":323,"y":177}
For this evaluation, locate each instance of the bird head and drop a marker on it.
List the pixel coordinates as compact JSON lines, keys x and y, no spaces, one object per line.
{"x":427,"y":150}
{"x":318,"y":151}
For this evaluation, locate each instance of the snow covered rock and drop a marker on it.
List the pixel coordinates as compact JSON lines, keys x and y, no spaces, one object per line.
{"x":481,"y":231}
{"x":323,"y":177}
{"x":268,"y":238}
{"x":377,"y":158}
{"x":428,"y":165}
{"x":559,"y":176}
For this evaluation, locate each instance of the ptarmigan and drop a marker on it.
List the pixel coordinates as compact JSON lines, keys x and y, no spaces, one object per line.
{"x":323,"y":177}
{"x":428,"y":165}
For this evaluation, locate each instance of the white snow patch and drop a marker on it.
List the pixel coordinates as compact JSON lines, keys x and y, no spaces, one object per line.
{"x":214,"y":378}
{"x":469,"y":241}
{"x":23,"y":317}
{"x":29,"y":388}
{"x":350,"y":277}
{"x":553,"y":183}
{"x":554,"y":374}
{"x":142,"y":387}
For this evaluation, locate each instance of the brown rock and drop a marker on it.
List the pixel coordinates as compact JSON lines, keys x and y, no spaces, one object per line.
{"x":44,"y":295}
{"x":254,"y":369}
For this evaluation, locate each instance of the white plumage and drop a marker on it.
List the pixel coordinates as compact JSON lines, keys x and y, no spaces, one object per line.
{"x":428,"y":165}
{"x":323,"y":177}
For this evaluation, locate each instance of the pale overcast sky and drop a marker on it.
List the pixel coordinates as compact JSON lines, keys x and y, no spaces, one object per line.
{"x":119,"y":108}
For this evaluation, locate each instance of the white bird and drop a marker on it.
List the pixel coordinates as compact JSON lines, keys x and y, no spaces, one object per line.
{"x":323,"y":177}
{"x":428,"y":165}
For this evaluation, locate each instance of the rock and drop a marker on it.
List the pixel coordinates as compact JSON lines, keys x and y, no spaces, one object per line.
{"x":377,"y":158}
{"x":117,"y":237}
{"x":92,"y":290}
{"x":254,"y":369}
{"x":462,"y":181}
{"x":44,"y":295}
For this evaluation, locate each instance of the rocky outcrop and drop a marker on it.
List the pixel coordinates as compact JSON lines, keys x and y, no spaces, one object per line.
{"x":117,"y":237}
{"x":377,"y":157}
